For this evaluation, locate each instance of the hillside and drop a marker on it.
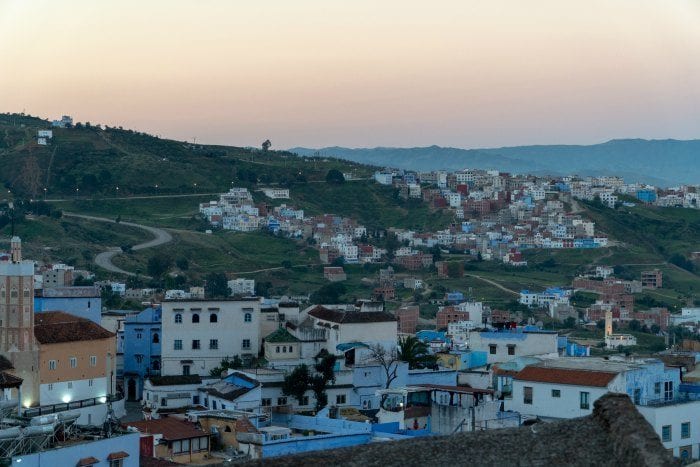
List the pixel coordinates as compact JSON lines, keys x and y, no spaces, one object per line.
{"x":660,"y":162}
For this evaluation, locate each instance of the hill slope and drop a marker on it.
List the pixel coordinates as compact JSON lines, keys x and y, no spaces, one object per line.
{"x":660,"y":162}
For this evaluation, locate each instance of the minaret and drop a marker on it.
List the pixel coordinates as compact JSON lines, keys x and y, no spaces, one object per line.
{"x":608,"y":323}
{"x":17,"y":341}
{"x":16,"y":249}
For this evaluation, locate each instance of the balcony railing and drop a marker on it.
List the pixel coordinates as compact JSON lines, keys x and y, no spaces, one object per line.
{"x":73,"y":405}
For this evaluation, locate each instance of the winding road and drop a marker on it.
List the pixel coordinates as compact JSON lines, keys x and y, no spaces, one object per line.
{"x":104,"y":259}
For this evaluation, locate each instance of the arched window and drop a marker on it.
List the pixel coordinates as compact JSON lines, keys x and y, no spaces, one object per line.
{"x":213,"y":318}
{"x":195,"y":318}
{"x":178,"y":318}
{"x":227,"y":429}
{"x":156,"y":338}
{"x":248,"y":318}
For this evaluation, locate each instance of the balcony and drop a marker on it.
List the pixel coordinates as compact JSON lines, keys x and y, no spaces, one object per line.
{"x":73,"y":405}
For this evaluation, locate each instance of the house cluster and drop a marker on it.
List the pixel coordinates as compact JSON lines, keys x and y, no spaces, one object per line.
{"x":609,"y":189}
{"x":498,"y":214}
{"x":219,"y":373}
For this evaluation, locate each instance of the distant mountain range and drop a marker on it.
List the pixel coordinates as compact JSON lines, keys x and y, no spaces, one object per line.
{"x":659,"y":162}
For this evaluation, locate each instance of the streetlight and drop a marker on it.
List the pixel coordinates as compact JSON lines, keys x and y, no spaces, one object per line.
{"x":44,"y":194}
{"x":77,"y":190}
{"x":117,"y":191}
{"x":195,"y":187}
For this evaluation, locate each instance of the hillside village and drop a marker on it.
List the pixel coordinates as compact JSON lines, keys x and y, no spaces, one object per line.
{"x":226,"y":370}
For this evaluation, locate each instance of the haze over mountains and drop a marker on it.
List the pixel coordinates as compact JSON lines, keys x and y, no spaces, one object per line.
{"x":658,"y":162}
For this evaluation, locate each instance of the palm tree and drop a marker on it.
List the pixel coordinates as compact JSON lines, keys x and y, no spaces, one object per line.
{"x":415,"y":352}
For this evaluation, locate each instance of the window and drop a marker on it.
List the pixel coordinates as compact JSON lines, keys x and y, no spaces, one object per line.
{"x":91,"y":382}
{"x":213,"y":405}
{"x":185,"y":370}
{"x":116,"y":463}
{"x":585,"y":400}
{"x":52,"y":364}
{"x":657,"y":388}
{"x":213,"y":318}
{"x":73,"y":362}
{"x":281,"y":401}
{"x":668,"y":390}
{"x":511,"y":349}
{"x":139,"y":358}
{"x":527,"y":395}
{"x":277,"y":349}
{"x":70,"y":384}
{"x":492,"y":349}
{"x":305,"y":400}
{"x":291,"y":348}
{"x":156,"y":339}
{"x":93,"y":360}
{"x":556,"y":393}
{"x":213,"y":344}
{"x":340,"y":399}
{"x":284,"y":349}
{"x":195,"y":318}
{"x":139,"y":335}
{"x":266,"y":402}
{"x":50,"y":386}
{"x":178,"y":318}
{"x":248,"y":317}
{"x":246,"y":344}
{"x":685,"y":430}
{"x":177,"y":344}
{"x":666,"y":433}
{"x":637,"y":396}
{"x":195,"y":344}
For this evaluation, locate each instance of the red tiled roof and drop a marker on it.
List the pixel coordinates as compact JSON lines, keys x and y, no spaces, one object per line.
{"x":87,"y":461}
{"x":541,"y":374}
{"x":54,"y":327}
{"x":172,"y":429}
{"x":117,"y":455}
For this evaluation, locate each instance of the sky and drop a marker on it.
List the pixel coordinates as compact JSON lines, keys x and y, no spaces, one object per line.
{"x":359,"y":73}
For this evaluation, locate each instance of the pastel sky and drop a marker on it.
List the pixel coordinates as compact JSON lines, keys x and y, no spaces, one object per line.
{"x":359,"y":73}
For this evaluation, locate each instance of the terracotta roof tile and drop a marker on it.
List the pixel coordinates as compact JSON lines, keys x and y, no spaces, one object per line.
{"x":172,"y":429}
{"x":541,"y":374}
{"x":54,"y":327}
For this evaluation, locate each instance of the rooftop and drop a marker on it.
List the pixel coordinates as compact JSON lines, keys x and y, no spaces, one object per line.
{"x":172,"y":429}
{"x":541,"y":374}
{"x":53,"y":327}
{"x":175,"y":380}
{"x":615,"y":434}
{"x":70,"y":292}
{"x":351,"y":317}
{"x":281,"y":335}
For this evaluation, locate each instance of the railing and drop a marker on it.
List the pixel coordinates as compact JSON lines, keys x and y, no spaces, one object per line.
{"x":678,"y":398}
{"x":73,"y":405}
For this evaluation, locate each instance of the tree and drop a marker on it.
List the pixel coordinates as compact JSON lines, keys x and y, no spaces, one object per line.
{"x":436,"y":252}
{"x":335,"y":176}
{"x":570,"y":322}
{"x":324,"y":374}
{"x":634,"y":325}
{"x":329,"y":293}
{"x":216,"y":285}
{"x":388,"y":360}
{"x":158,"y":264}
{"x":297,"y":383}
{"x":415,"y":352}
{"x":266,"y":145}
{"x":226,"y":364}
{"x":182,"y":263}
{"x":600,"y":324}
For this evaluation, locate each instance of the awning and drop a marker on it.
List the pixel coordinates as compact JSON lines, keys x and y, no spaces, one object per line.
{"x":117,"y":455}
{"x":350,"y":345}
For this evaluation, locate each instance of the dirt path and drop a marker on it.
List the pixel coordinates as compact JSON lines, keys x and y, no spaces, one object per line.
{"x":104,"y":259}
{"x":494,"y":283}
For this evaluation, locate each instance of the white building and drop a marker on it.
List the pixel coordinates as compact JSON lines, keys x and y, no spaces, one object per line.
{"x":502,"y":346}
{"x":242,"y":286}
{"x":276,"y":193}
{"x":367,"y":327}
{"x":198,"y":334}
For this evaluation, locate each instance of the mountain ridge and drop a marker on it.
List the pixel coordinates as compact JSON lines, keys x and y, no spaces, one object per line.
{"x":662,"y":162}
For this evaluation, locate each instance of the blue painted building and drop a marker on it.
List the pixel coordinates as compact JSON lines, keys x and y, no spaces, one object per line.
{"x":646,"y":195}
{"x":142,"y":350}
{"x":85,"y":302}
{"x":120,"y":449}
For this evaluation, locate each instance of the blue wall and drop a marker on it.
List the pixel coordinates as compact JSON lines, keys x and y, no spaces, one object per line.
{"x":147,"y":324}
{"x":84,"y":307}
{"x":442,"y":377}
{"x":70,"y":455}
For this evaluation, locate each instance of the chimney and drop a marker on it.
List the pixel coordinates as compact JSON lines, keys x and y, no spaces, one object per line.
{"x":16,"y":249}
